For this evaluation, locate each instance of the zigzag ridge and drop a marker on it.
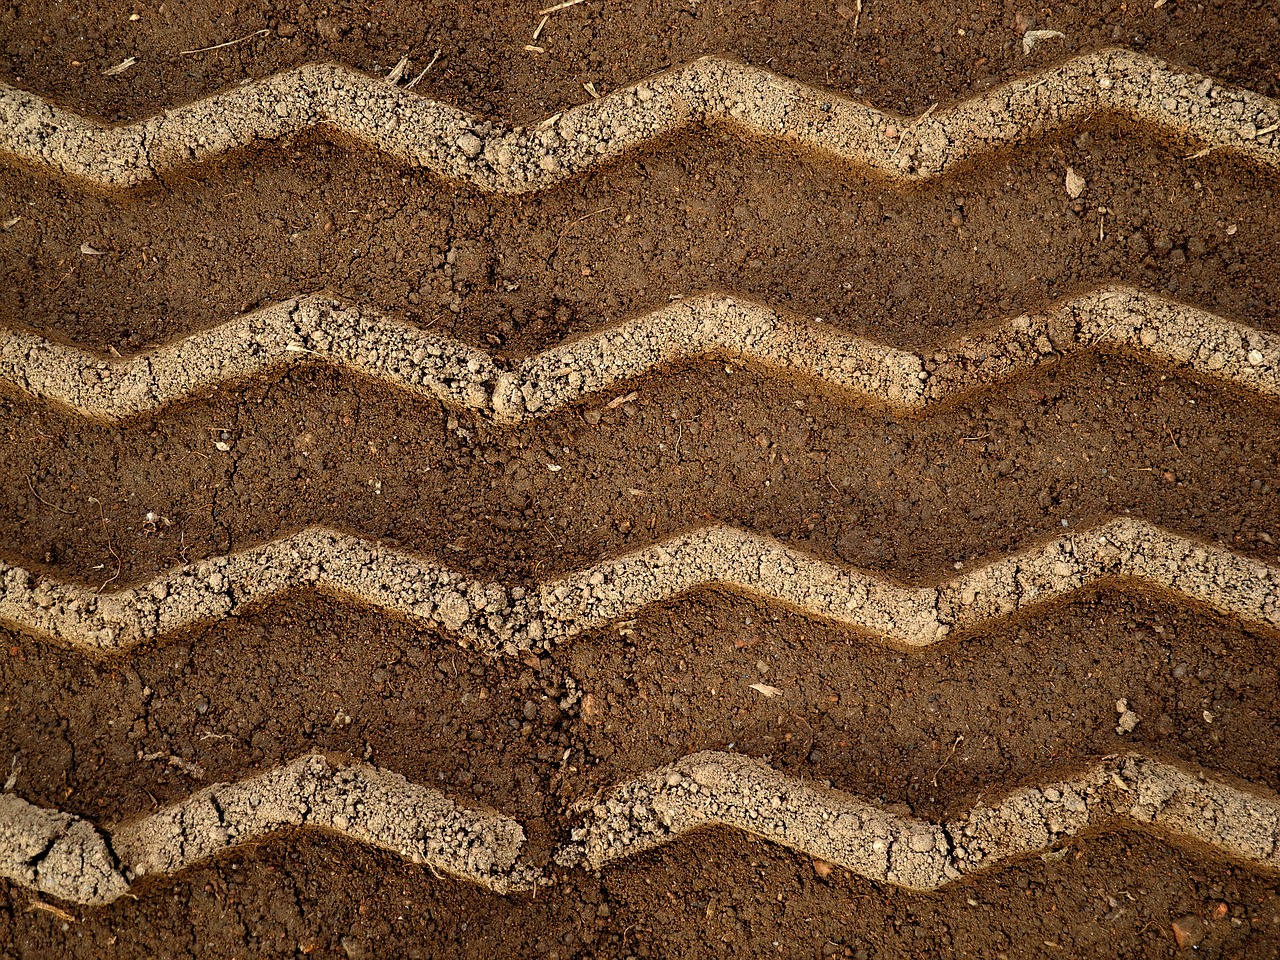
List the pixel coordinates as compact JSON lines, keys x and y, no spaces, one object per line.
{"x":506,"y":620}
{"x":65,"y":856}
{"x":311,"y":329}
{"x":711,"y":90}
{"x":729,"y":790}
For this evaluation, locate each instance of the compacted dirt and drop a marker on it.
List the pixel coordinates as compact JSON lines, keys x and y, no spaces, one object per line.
{"x":914,"y":497}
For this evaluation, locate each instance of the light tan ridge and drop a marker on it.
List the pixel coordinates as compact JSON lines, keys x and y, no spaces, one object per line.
{"x":65,"y":856}
{"x":712,"y":90}
{"x":496,"y":619}
{"x":312,"y":329}
{"x":725,"y":789}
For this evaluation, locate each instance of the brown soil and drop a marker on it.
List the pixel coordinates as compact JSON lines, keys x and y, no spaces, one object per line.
{"x":927,"y":733}
{"x":258,"y":691}
{"x":908,"y":497}
{"x":903,"y":56}
{"x":895,"y":264}
{"x":716,"y":894}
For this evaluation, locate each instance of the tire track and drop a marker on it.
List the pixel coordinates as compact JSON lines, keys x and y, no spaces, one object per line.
{"x":491,"y":617}
{"x":724,"y":789}
{"x":65,"y":856}
{"x":310,"y":329}
{"x":62,"y":855}
{"x":456,"y":145}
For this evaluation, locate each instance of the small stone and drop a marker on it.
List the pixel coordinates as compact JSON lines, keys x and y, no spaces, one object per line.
{"x":1189,"y":931}
{"x":470,"y":144}
{"x":922,"y":842}
{"x":1128,"y":722}
{"x":1075,"y":184}
{"x":1255,"y":358}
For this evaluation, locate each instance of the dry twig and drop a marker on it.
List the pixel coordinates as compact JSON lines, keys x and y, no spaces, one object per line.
{"x":50,"y":908}
{"x":229,"y":43}
{"x":110,"y":546}
{"x":559,"y":6}
{"x":69,"y":513}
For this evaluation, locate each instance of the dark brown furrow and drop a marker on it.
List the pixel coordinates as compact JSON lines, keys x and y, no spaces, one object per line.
{"x":744,"y":895}
{"x":519,"y":276}
{"x":910,"y":498}
{"x":930,"y":731}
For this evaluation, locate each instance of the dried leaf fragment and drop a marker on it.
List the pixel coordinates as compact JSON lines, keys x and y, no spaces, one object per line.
{"x":1032,"y":37}
{"x":120,"y":67}
{"x":397,"y":72}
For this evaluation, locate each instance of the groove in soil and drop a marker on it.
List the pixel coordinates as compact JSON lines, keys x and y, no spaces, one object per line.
{"x":720,"y":894}
{"x":910,"y":498}
{"x":925,"y":734}
{"x":893,"y":265}
{"x":900,"y":56}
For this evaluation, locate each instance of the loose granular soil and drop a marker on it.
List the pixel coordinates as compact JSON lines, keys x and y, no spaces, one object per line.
{"x":516,"y":276}
{"x":928,"y":733}
{"x":897,"y":56}
{"x":908,"y":497}
{"x":715,"y":894}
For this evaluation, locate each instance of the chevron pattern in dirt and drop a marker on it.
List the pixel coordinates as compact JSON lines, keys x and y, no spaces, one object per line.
{"x":491,"y":617}
{"x":724,"y":789}
{"x":311,"y":329}
{"x":65,"y":856}
{"x":454,"y":144}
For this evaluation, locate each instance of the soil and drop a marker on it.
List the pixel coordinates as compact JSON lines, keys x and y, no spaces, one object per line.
{"x":896,"y":56}
{"x":914,"y":497}
{"x":716,"y":894}
{"x":518,"y":276}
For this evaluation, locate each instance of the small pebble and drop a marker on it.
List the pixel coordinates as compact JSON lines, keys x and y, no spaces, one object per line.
{"x":1075,"y":184}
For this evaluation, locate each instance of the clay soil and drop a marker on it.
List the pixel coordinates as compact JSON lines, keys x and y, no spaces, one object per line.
{"x":930,"y":733}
